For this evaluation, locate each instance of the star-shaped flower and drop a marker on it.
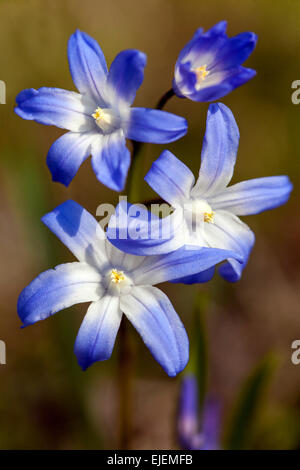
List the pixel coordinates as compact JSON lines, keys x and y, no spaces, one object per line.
{"x":209,"y":66}
{"x":206,"y":212}
{"x":100,"y":117}
{"x":115,"y":283}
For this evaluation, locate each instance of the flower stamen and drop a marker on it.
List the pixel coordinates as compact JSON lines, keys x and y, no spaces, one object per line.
{"x":209,"y":217}
{"x":98,"y":115}
{"x":117,"y":276}
{"x":201,"y":73}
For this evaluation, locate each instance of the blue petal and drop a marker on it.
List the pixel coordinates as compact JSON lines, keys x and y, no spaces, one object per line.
{"x":254,"y":196}
{"x":218,"y":151}
{"x":185,"y":81}
{"x":188,"y":404}
{"x":87,"y":65}
{"x":228,"y":81}
{"x":222,"y":56}
{"x":56,"y":107}
{"x":126,"y":75}
{"x":188,"y":425}
{"x":198,"y":33}
{"x":170,"y":178}
{"x":198,"y":278}
{"x":152,"y":125}
{"x":202,"y":43}
{"x":98,"y":331}
{"x":111,"y":160}
{"x":152,"y":314}
{"x":229,"y":232}
{"x":78,"y":230}
{"x":218,"y":28}
{"x":185,"y":261}
{"x":56,"y":289}
{"x":67,"y":154}
{"x":211,"y":425}
{"x":206,"y":46}
{"x":235,"y":51}
{"x":133,"y":229}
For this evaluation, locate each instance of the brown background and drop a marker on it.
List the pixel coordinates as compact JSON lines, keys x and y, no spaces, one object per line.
{"x":45,"y":400}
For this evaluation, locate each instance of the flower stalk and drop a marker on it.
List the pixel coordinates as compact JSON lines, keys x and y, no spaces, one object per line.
{"x":124,"y":371}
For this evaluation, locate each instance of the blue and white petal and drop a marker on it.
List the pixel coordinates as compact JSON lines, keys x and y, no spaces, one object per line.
{"x":219,"y":151}
{"x":205,"y":46}
{"x":153,"y":316}
{"x":97,"y":334}
{"x":57,"y":289}
{"x":111,"y":159}
{"x":155,"y":126}
{"x":189,"y":45}
{"x":186,"y":261}
{"x":254,"y":196}
{"x":87,"y":66}
{"x":133,"y":229}
{"x":126,"y":75}
{"x":121,"y":260}
{"x":209,"y":66}
{"x":230,"y":233}
{"x":220,"y":83}
{"x":56,"y":107}
{"x":171,"y":179}
{"x":184,"y":81}
{"x":79,"y":231}
{"x":67,"y":154}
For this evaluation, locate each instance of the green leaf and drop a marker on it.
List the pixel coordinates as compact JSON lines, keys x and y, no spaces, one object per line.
{"x":198,"y":363}
{"x":249,"y":400}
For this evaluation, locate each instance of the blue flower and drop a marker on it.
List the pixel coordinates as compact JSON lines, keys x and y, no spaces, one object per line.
{"x":115,"y":283}
{"x":209,"y":66}
{"x":193,"y":433}
{"x":99,"y":118}
{"x":206,"y":212}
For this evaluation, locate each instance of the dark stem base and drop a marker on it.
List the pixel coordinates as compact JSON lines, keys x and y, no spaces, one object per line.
{"x":163,"y":100}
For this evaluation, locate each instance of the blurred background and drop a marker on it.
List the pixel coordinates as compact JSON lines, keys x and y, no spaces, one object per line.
{"x":46,"y":401}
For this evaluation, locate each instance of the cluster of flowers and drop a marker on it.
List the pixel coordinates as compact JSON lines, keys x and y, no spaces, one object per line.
{"x":116,"y":273}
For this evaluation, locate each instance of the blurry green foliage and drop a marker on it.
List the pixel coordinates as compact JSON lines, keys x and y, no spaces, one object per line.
{"x":248,"y":405}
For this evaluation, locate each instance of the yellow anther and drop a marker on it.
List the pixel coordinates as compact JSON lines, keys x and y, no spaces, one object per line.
{"x":209,"y":217}
{"x":201,"y":73}
{"x":98,"y":114}
{"x":117,"y":276}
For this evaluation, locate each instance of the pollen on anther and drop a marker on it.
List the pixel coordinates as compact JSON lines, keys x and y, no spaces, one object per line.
{"x":117,"y":276}
{"x":201,"y":73}
{"x":209,"y":217}
{"x":98,"y":114}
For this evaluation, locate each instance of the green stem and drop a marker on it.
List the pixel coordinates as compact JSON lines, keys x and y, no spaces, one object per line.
{"x":198,"y":363}
{"x":125,"y":360}
{"x":125,"y":385}
{"x":133,"y":181}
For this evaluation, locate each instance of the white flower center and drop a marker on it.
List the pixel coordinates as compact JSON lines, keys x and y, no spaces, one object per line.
{"x":201,"y":208}
{"x":118,"y":282}
{"x":107,"y":119}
